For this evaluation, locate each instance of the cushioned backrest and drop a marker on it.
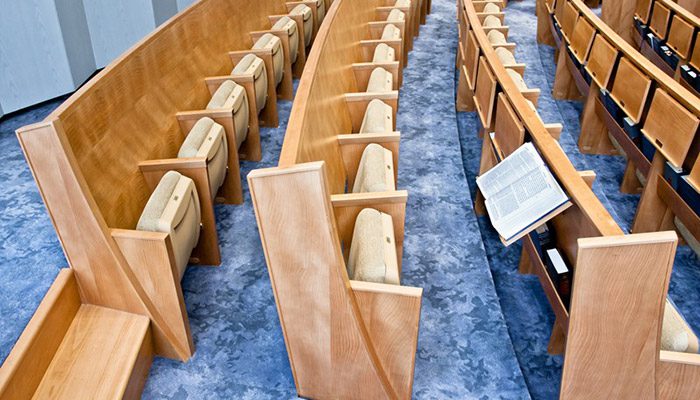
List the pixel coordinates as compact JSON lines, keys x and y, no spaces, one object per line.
{"x":380,"y":80}
{"x":204,"y":135}
{"x":491,"y":8}
{"x":378,"y":118}
{"x":676,"y":335}
{"x":391,"y":32}
{"x":375,"y":172}
{"x":268,"y":41}
{"x":496,"y":37}
{"x":396,"y":15}
{"x":505,"y":56}
{"x":383,"y":53}
{"x":491,"y":22}
{"x":517,"y":79}
{"x":228,"y":95}
{"x":372,"y":251}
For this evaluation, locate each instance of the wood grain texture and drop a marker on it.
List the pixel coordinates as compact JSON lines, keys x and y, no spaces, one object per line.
{"x":333,"y":351}
{"x":601,"y":61}
{"x":614,"y":336}
{"x":630,"y":89}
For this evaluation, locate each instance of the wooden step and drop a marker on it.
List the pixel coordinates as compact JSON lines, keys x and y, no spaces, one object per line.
{"x":105,"y":354}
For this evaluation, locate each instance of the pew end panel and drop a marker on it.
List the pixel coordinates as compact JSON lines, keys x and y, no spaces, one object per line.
{"x":347,"y":206}
{"x":614,"y":352}
{"x":268,"y":115}
{"x":285,"y":89}
{"x":251,"y":148}
{"x":233,"y":191}
{"x":363,"y":71}
{"x":357,"y":104}
{"x":310,"y":282}
{"x":392,"y":316}
{"x":70,"y":349}
{"x":207,"y":251}
{"x":352,"y":145}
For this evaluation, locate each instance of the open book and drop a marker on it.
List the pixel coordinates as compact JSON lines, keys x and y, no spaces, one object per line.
{"x":521,"y":193}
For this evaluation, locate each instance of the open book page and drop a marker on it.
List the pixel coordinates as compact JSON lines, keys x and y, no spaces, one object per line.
{"x":523,"y":203}
{"x":510,"y":170}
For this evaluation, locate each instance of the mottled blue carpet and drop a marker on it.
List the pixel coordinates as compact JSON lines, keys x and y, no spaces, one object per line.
{"x":525,"y":307}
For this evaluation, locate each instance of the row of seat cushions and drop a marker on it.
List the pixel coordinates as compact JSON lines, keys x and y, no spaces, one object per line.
{"x":373,"y":249}
{"x":676,"y":334}
{"x":174,"y":208}
{"x":378,"y":118}
{"x":253,"y":65}
{"x":391,"y":32}
{"x":305,"y":13}
{"x":231,"y":95}
{"x":380,"y":80}
{"x":375,"y":172}
{"x":270,"y":41}
{"x":288,"y":25}
{"x":207,"y":139}
{"x":383,"y":53}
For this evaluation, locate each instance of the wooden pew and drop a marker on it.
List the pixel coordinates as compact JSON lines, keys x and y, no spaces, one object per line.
{"x":598,"y":346}
{"x":73,"y":350}
{"x":307,"y":231}
{"x":90,"y":160}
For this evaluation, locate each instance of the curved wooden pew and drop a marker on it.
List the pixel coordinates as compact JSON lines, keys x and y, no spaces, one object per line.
{"x":99,"y":156}
{"x":612,"y":354}
{"x":338,"y":331}
{"x":633,"y":108}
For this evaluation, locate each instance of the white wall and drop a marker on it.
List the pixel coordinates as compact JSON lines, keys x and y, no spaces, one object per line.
{"x":182,"y":4}
{"x":50,"y":47}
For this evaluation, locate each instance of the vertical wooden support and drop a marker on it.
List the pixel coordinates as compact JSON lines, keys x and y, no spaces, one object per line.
{"x":613,"y":342}
{"x":557,"y":339}
{"x":652,"y":212}
{"x":594,"y":137}
{"x":465,"y":96}
{"x":544,"y":33}
{"x":564,"y":87}
{"x":525,"y":265}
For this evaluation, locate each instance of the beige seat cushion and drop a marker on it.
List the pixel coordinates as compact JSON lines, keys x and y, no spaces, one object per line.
{"x":496,"y":37}
{"x":491,"y":22}
{"x":375,"y":172}
{"x":373,"y":249}
{"x":491,"y":8}
{"x":380,"y":80}
{"x":251,"y":64}
{"x":272,"y":42}
{"x":396,"y":15}
{"x":320,"y":10}
{"x":383,"y":53}
{"x":207,"y":139}
{"x":232,"y":95}
{"x":517,"y":79}
{"x":505,"y":56}
{"x":288,"y":25}
{"x":676,"y":335}
{"x":402,"y":3}
{"x":173,"y":208}
{"x":305,"y":12}
{"x":391,"y":32}
{"x":378,"y":118}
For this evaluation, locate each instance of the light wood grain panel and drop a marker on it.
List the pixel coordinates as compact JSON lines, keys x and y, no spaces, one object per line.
{"x":680,"y":36}
{"x":630,"y":89}
{"x":601,"y":61}
{"x":613,"y":342}
{"x":582,"y":39}
{"x":509,"y":131}
{"x":678,"y":376}
{"x":485,"y":93}
{"x":660,"y":16}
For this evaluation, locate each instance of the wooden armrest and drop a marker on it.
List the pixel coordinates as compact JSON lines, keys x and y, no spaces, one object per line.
{"x":376,"y":28}
{"x":554,"y":130}
{"x":368,"y":46}
{"x":588,"y":176}
{"x":357,"y":105}
{"x":363,"y":71}
{"x":531,"y":94}
{"x":518,"y":67}
{"x":172,"y":163}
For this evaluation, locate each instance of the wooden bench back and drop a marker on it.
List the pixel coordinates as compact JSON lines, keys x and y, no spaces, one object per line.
{"x":126,"y":113}
{"x":320,"y":112}
{"x":671,"y":21}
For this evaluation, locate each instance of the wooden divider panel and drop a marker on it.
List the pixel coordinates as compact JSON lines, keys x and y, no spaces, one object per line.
{"x":670,"y":127}
{"x":680,"y":36}
{"x":695,"y":56}
{"x":485,"y":93}
{"x":601,"y":61}
{"x":630,"y":89}
{"x":660,"y":16}
{"x":509,"y":130}
{"x":471,"y":59}
{"x":569,"y":20}
{"x":642,"y":10}
{"x":581,"y":39}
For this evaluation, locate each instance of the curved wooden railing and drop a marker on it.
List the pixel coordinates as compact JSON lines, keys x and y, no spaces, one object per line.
{"x":87,"y":158}
{"x":306,"y":219}
{"x":615,"y":353}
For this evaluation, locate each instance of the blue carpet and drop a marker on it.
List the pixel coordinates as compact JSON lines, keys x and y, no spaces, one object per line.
{"x":525,"y":307}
